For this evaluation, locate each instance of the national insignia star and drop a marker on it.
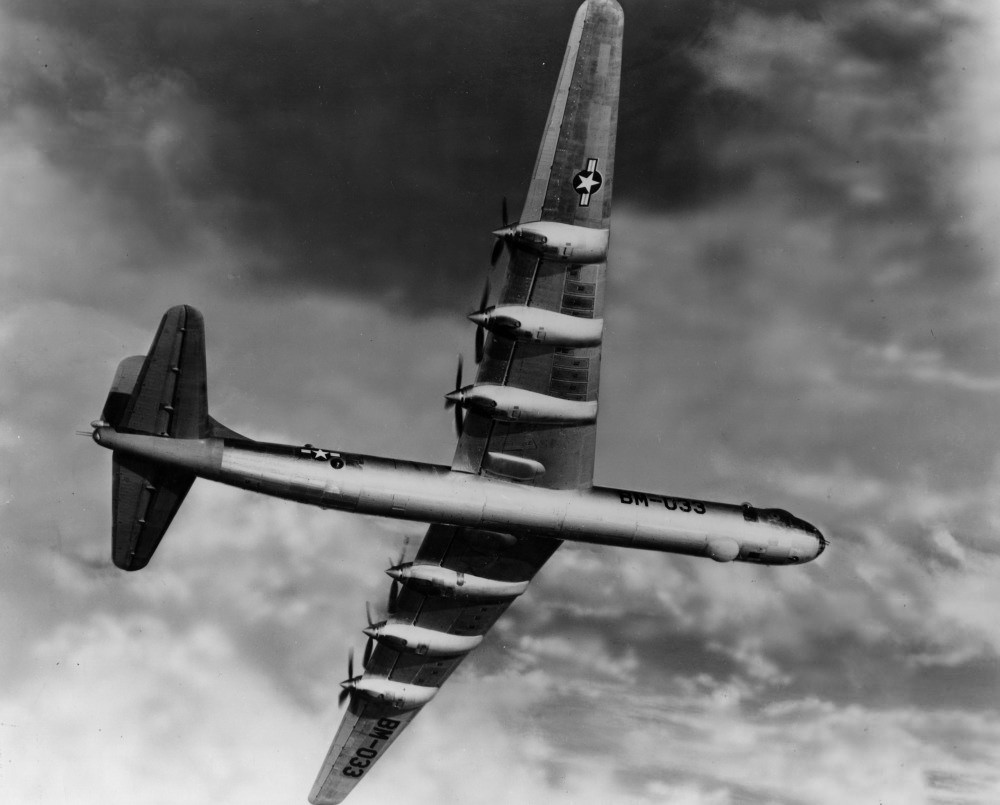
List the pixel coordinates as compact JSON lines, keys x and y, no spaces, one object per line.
{"x":585,"y":182}
{"x":320,"y":455}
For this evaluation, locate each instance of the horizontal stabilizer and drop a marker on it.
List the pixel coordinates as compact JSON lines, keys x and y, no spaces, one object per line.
{"x":144,"y":499}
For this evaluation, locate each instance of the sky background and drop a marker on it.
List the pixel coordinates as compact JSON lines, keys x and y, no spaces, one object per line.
{"x":802,"y":312}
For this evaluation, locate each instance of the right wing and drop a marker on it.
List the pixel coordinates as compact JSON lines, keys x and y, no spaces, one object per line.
{"x":579,"y":140}
{"x":577,"y":154}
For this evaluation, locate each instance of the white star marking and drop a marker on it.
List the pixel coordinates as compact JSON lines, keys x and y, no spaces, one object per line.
{"x":320,"y":455}
{"x":586,"y":182}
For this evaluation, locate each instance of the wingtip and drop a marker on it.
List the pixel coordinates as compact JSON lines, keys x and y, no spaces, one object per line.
{"x":612,"y":6}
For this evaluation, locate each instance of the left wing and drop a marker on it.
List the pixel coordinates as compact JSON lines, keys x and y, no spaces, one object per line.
{"x":370,"y":726}
{"x":364,"y":734}
{"x":470,"y":576}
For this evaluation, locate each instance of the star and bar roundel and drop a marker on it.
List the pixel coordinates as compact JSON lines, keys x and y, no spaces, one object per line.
{"x":587,"y":182}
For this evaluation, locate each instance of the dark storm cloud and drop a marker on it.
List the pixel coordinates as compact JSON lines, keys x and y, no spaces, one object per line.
{"x":350,"y":149}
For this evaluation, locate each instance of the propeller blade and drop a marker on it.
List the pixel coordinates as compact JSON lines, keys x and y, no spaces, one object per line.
{"x":402,"y":554}
{"x":394,"y":587}
{"x":393,"y":596}
{"x":368,"y":615}
{"x":343,"y":697}
{"x":497,"y":251}
{"x":503,"y":211}
{"x":452,"y":397}
{"x":485,"y":298}
{"x":459,"y":414}
{"x":484,"y":301}
{"x":350,"y":663}
{"x":368,"y":651}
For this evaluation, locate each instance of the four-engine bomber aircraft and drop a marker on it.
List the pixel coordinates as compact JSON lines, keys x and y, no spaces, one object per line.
{"x":521,"y":478}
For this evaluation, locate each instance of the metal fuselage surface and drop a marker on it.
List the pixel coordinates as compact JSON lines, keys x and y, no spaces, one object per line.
{"x":431,"y":493}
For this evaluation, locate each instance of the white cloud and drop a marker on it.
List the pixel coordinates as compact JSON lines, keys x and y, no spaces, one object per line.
{"x":587,"y":655}
{"x":123,"y":708}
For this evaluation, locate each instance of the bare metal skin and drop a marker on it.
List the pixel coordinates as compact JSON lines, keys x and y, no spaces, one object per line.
{"x":431,"y":493}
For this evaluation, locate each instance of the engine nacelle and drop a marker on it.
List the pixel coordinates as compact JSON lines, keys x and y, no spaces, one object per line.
{"x":400,"y":695}
{"x":523,"y":323}
{"x":437,"y":580}
{"x":418,"y":640}
{"x":552,"y":240}
{"x":520,"y":405}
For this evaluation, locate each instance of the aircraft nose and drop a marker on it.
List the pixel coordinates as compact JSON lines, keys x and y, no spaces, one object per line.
{"x":810,"y":544}
{"x":819,"y":546}
{"x":821,"y":541}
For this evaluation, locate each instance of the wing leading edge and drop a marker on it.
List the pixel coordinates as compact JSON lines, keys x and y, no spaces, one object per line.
{"x":440,"y":613}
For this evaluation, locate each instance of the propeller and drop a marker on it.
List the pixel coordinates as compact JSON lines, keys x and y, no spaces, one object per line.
{"x":348,"y":684}
{"x":393,"y":596}
{"x":498,"y":246}
{"x":451,"y":399}
{"x":479,"y":316}
{"x":370,"y":644}
{"x":394,"y":587}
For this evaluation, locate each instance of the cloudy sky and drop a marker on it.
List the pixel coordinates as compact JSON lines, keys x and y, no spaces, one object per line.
{"x":802,"y":312}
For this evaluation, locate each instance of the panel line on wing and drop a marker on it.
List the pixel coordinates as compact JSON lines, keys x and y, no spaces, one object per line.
{"x":534,"y":281}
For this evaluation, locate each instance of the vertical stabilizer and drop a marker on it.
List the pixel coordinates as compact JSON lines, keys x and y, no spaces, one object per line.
{"x":170,"y":396}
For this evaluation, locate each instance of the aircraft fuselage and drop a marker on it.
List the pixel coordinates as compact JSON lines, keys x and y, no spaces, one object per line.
{"x":430,"y":493}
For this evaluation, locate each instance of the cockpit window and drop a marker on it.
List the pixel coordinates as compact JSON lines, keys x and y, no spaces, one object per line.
{"x":749,"y":513}
{"x":778,"y":517}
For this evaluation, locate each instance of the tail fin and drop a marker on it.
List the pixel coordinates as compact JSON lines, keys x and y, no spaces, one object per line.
{"x":161,"y":394}
{"x":167,"y":393}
